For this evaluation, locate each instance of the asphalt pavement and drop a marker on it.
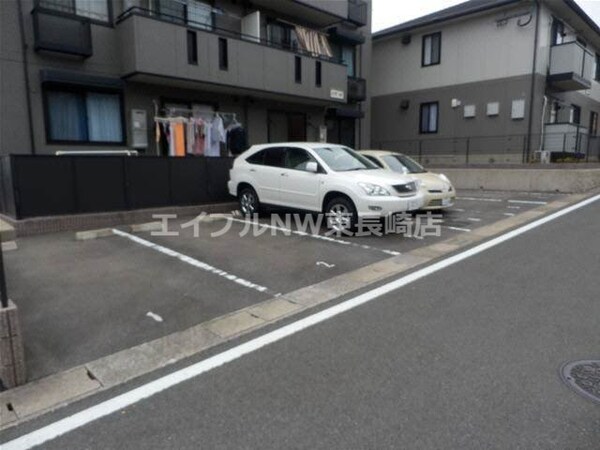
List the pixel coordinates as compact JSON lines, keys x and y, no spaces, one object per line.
{"x":467,"y":357}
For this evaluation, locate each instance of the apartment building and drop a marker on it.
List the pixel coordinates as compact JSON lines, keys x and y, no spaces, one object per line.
{"x":93,"y":74}
{"x":489,"y":81}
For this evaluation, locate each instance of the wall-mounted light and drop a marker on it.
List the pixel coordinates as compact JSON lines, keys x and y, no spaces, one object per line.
{"x":404,"y":104}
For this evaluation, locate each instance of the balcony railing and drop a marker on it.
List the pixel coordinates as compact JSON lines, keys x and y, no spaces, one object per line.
{"x":357,"y":89}
{"x":358,"y":12}
{"x":571,"y":67}
{"x":63,"y":33}
{"x":179,"y":19}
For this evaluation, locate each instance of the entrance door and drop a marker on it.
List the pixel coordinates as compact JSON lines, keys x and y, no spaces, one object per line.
{"x":286,"y":126}
{"x":296,"y":127}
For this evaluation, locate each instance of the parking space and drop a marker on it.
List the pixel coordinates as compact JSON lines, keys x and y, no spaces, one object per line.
{"x":81,"y":300}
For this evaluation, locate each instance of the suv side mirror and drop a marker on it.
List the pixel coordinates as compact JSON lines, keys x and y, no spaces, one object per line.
{"x":312,"y":166}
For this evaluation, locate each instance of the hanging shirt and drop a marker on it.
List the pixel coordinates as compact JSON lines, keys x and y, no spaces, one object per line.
{"x":179,"y":138}
{"x":237,"y":140}
{"x":217,"y":135}
{"x":190,"y":137}
{"x":171,"y":138}
{"x":207,"y":135}
{"x":199,"y":137}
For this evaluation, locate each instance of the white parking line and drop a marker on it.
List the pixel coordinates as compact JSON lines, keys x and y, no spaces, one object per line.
{"x":474,"y":219}
{"x":191,"y":261}
{"x":513,"y":207}
{"x":509,"y":214}
{"x":480,"y":199}
{"x":457,"y":229}
{"x":316,"y":236}
{"x":528,"y":202}
{"x":145,"y":391}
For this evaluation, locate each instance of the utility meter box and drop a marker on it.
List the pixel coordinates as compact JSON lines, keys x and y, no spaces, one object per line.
{"x":139,"y":128}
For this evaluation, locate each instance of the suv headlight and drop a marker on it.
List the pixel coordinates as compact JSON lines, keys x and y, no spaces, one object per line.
{"x":373,"y":189}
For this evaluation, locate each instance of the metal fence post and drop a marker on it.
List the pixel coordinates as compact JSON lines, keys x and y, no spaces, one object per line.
{"x":467,"y":150}
{"x":3,"y":294}
{"x":524,"y":152}
{"x":420,"y":151}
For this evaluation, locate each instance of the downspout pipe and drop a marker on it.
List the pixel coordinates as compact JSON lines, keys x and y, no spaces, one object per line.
{"x":533,"y":72}
{"x":26,"y":75}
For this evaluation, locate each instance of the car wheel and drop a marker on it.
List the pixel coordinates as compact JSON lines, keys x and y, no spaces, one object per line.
{"x":249,"y":204}
{"x":341,"y":214}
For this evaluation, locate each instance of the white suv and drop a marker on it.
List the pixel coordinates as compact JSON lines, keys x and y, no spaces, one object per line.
{"x":320,"y":177}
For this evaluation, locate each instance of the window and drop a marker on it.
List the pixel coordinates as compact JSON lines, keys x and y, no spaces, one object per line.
{"x":81,"y":116}
{"x":257,"y":158}
{"x":597,"y":71}
{"x":593,"y":123}
{"x":193,"y":12}
{"x":92,"y":9}
{"x":349,"y":59}
{"x":374,"y":160}
{"x":344,"y":159}
{"x":223,"y":56}
{"x":429,"y":118}
{"x":402,"y":163}
{"x":298,"y":69}
{"x":282,"y":35}
{"x":432,"y":49}
{"x":274,"y":157}
{"x":558,"y":32}
{"x":192,"y":47}
{"x":199,"y":14}
{"x":318,"y":73}
{"x":296,"y":158}
{"x":575,"y":114}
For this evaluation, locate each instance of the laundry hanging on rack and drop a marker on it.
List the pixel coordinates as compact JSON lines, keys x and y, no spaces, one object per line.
{"x":201,"y":134}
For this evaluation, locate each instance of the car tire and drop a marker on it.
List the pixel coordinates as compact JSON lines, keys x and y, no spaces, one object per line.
{"x":341,"y":215}
{"x":249,"y":202}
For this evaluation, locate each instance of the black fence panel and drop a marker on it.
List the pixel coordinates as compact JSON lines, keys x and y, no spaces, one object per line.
{"x":218,"y":175}
{"x":189,"y":181}
{"x":7,"y":198}
{"x":148,"y":182}
{"x":44,"y":185}
{"x":100,"y":183}
{"x":40,"y":185}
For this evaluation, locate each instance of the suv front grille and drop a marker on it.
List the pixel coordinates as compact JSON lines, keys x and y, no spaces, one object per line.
{"x":408,"y":188}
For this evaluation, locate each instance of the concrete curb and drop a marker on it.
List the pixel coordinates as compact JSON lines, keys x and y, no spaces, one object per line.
{"x":134,"y":362}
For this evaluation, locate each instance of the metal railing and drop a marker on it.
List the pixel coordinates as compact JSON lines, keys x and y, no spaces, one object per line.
{"x":502,"y":149}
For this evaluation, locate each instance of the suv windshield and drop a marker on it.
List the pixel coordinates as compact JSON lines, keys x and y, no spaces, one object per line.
{"x":343,"y":159}
{"x":402,"y":163}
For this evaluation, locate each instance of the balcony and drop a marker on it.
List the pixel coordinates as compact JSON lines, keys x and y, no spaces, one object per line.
{"x":155,"y":50}
{"x":318,"y":12}
{"x":358,"y":12}
{"x":571,"y":67}
{"x":565,"y":138}
{"x":357,"y":89}
{"x":62,"y":33}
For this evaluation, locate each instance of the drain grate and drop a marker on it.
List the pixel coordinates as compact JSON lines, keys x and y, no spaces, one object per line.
{"x":583,"y":377}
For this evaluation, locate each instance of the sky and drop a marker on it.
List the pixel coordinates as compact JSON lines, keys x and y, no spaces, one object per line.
{"x":387,"y":13}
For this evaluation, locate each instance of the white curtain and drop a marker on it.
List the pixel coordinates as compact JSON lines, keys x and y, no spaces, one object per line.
{"x":104,"y":118}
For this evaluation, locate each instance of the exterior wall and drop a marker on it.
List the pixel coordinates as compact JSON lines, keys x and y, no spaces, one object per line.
{"x":472,"y":50}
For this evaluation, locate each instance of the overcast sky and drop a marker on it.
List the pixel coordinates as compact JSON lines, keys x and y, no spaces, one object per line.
{"x":391,"y":12}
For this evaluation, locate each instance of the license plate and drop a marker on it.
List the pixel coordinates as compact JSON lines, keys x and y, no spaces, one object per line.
{"x":446,"y":201}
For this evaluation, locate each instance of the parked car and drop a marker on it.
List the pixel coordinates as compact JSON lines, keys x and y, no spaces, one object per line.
{"x":438,"y":189}
{"x":320,"y":177}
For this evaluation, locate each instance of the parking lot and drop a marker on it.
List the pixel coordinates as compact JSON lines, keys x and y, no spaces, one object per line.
{"x":84,"y":299}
